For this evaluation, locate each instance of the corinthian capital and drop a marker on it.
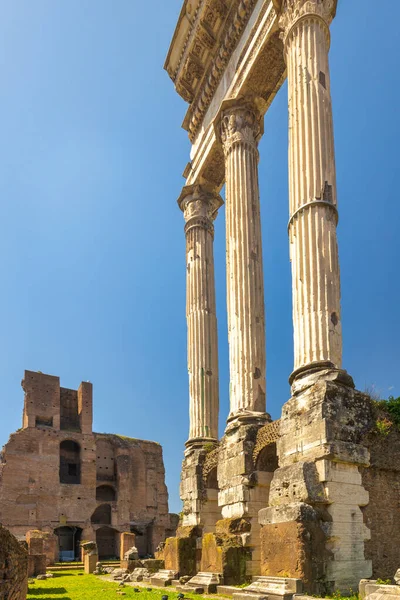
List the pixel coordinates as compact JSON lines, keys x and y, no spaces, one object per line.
{"x":295,"y":10}
{"x":240,"y":122}
{"x":199,"y":205}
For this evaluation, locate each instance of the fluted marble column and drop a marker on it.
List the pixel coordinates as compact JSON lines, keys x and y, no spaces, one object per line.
{"x":312,"y":185}
{"x":200,"y":208}
{"x":240,"y":130}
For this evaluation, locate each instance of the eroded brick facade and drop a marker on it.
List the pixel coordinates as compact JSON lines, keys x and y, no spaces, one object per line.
{"x":56,"y":475}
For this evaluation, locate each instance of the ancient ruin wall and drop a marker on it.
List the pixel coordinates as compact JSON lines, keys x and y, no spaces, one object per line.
{"x":382,"y":480}
{"x":13,"y":567}
{"x":56,"y":475}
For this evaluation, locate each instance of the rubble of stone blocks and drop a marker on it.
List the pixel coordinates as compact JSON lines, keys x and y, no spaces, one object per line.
{"x":374,"y":589}
{"x":119,"y":574}
{"x":131,"y":554}
{"x":275,"y":588}
{"x":45,"y":576}
{"x":139,"y":574}
{"x":163,"y":578}
{"x":102,"y":570}
{"x":202,"y":583}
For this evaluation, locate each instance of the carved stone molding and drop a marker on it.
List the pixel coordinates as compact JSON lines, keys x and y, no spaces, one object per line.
{"x":240,"y":122}
{"x":214,"y":73}
{"x":199,"y":206}
{"x":295,"y":10}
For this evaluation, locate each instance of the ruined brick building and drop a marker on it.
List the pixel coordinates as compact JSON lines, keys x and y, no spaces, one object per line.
{"x":59,"y":476}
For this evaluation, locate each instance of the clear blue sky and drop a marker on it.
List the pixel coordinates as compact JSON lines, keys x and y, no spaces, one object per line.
{"x":92,"y":249}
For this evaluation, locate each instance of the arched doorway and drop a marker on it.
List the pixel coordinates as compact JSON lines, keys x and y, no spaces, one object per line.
{"x":107,"y":540}
{"x":69,"y":539}
{"x":102,"y":515}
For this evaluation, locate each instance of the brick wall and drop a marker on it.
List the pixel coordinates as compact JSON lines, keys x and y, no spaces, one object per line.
{"x":13,"y":567}
{"x":382,"y":480}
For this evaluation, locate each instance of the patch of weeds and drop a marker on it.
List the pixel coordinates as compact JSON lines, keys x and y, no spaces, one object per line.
{"x":384,"y":581}
{"x":383,"y":426}
{"x":209,"y":447}
{"x":337,"y":595}
{"x":388,"y":413}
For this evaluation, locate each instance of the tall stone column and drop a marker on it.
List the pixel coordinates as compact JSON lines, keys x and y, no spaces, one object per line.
{"x":200,"y":209}
{"x":317,"y":494}
{"x":312,"y":186}
{"x":241,"y":491}
{"x":240,"y":131}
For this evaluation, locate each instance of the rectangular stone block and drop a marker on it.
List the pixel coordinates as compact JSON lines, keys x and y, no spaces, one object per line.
{"x":89,"y":563}
{"x":203,"y":582}
{"x":345,"y":513}
{"x":226,"y":590}
{"x":339,"y":472}
{"x":232,"y":495}
{"x":35,"y":543}
{"x":163,"y":578}
{"x":294,"y":549}
{"x":349,"y":572}
{"x":363,"y":584}
{"x":180,"y":555}
{"x":346,"y":493}
{"x":127,"y":541}
{"x":36,"y":564}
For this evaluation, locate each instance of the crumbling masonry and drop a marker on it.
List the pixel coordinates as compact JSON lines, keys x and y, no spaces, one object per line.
{"x":293,"y":498}
{"x":60,"y":478}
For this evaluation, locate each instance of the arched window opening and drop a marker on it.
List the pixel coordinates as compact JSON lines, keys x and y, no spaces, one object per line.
{"x":102,"y":515}
{"x":105,"y":493}
{"x":267,"y":460}
{"x":70,"y":462}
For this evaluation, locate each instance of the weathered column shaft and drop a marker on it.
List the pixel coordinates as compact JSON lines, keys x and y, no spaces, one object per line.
{"x":245,"y":286}
{"x":312,"y":185}
{"x":200,"y":209}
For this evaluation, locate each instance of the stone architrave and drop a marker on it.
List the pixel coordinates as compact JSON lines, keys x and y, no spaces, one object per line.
{"x":312,"y":185}
{"x":200,"y":207}
{"x":240,"y":129}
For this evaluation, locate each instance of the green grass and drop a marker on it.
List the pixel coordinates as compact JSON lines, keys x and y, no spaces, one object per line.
{"x":68,"y":585}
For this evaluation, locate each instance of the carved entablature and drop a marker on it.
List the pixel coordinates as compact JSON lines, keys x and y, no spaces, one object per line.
{"x":197,"y":32}
{"x":293,"y":11}
{"x":210,"y":31}
{"x":200,"y":207}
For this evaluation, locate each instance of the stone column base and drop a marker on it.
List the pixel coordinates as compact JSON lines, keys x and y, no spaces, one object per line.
{"x":242,"y":490}
{"x":293,"y":543}
{"x":313,"y":528}
{"x":198,"y":501}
